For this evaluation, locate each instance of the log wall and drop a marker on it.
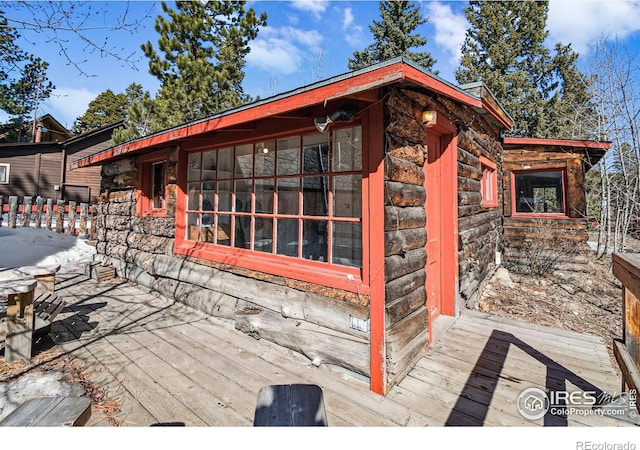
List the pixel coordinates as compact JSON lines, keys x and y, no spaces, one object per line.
{"x":479,"y":228}
{"x":561,"y":239}
{"x":407,"y":320}
{"x":310,"y":319}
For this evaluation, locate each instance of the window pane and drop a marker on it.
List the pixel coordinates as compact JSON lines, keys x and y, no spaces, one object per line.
{"x":224,"y":196}
{"x":263,"y":235}
{"x":244,"y":161}
{"x":243,"y":196}
{"x":265,"y":164}
{"x":224,"y":230}
{"x":347,"y":244}
{"x":209,"y":165}
{"x":194,"y":166}
{"x":287,"y":237}
{"x":193,"y":230}
{"x":347,"y":196}
{"x":347,"y":150}
{"x":316,"y":153}
{"x":288,"y":159}
{"x":242,"y":225}
{"x":264,"y":196}
{"x":208,"y":201}
{"x":157,"y":187}
{"x":288,"y":190}
{"x":539,"y":192}
{"x":314,"y":240}
{"x":193,"y":198}
{"x":225,"y":163}
{"x":315,"y":196}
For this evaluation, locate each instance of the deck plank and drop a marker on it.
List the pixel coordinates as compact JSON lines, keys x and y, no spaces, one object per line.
{"x":167,"y":362}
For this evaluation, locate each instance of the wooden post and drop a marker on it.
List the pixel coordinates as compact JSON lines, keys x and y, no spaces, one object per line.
{"x":84,"y":211}
{"x":60,"y":216}
{"x":93,"y":226}
{"x":39,"y":206}
{"x":1,"y":212}
{"x":49,"y":216}
{"x":13,"y":211}
{"x":20,"y":318}
{"x":26,"y":211}
{"x":71,"y":219}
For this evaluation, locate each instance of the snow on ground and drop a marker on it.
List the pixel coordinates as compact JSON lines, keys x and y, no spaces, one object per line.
{"x":33,"y":246}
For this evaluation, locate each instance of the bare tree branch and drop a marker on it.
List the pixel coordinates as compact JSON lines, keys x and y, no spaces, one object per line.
{"x":94,"y":24}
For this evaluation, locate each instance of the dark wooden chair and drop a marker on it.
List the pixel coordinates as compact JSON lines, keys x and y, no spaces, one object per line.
{"x":290,"y":405}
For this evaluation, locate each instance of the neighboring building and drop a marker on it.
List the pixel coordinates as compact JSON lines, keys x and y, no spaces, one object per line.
{"x":41,"y":168}
{"x":343,"y":219}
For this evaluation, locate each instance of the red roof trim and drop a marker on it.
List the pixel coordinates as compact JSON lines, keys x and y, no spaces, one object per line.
{"x":343,"y":86}
{"x":604,"y":145}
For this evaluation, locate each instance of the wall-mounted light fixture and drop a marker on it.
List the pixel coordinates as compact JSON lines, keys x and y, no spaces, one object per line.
{"x":345,"y":114}
{"x":429,"y":117}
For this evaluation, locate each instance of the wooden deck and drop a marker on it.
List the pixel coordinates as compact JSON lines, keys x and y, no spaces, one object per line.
{"x":165,"y":362}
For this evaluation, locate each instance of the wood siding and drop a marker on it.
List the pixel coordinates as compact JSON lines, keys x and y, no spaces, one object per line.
{"x":34,"y":170}
{"x":84,"y":184}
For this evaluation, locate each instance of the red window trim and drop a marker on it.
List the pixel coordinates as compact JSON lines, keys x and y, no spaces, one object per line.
{"x":562,"y":215}
{"x":144,"y":203}
{"x":346,"y":278}
{"x":489,"y":166}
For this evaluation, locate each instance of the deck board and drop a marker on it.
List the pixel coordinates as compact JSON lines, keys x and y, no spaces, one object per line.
{"x":165,"y":362}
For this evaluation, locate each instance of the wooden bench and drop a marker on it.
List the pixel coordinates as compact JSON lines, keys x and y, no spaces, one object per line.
{"x":290,"y":405}
{"x":20,"y":318}
{"x":45,"y":276}
{"x":50,"y":412}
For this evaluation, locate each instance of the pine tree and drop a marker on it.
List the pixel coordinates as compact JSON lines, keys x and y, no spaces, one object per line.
{"x":106,"y":108}
{"x":505,"y":48}
{"x":10,"y":53}
{"x":204,"y":45}
{"x":140,"y":120}
{"x":22,"y":97}
{"x":394,"y":36}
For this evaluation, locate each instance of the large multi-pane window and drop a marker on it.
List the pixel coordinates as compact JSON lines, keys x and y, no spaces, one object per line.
{"x":299,"y":196}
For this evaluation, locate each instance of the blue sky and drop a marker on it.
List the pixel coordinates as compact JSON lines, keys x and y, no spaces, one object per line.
{"x":304,"y":41}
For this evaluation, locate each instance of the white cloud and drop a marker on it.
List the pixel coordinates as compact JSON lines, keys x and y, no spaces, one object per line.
{"x":580,"y":23}
{"x":352,"y":31}
{"x":68,"y":103}
{"x":282,"y":50}
{"x":316,"y":7}
{"x":450,"y":29}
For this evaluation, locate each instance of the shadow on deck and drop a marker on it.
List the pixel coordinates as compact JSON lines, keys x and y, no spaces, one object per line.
{"x":166,"y":363}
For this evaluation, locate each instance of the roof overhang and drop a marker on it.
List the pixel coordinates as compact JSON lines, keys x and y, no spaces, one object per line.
{"x":321,"y":93}
{"x":594,"y":150}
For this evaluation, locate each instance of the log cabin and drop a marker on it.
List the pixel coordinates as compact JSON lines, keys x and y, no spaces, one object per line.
{"x":344,"y":219}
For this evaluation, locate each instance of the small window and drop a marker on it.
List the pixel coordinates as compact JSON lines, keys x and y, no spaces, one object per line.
{"x":489,"y":187}
{"x":540,"y":192}
{"x":152,"y":192}
{"x":4,"y":173}
{"x":158,"y":184}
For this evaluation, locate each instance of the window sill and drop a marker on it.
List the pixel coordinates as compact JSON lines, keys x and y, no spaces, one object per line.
{"x":333,"y":276}
{"x":155,"y":213}
{"x":540,"y":216}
